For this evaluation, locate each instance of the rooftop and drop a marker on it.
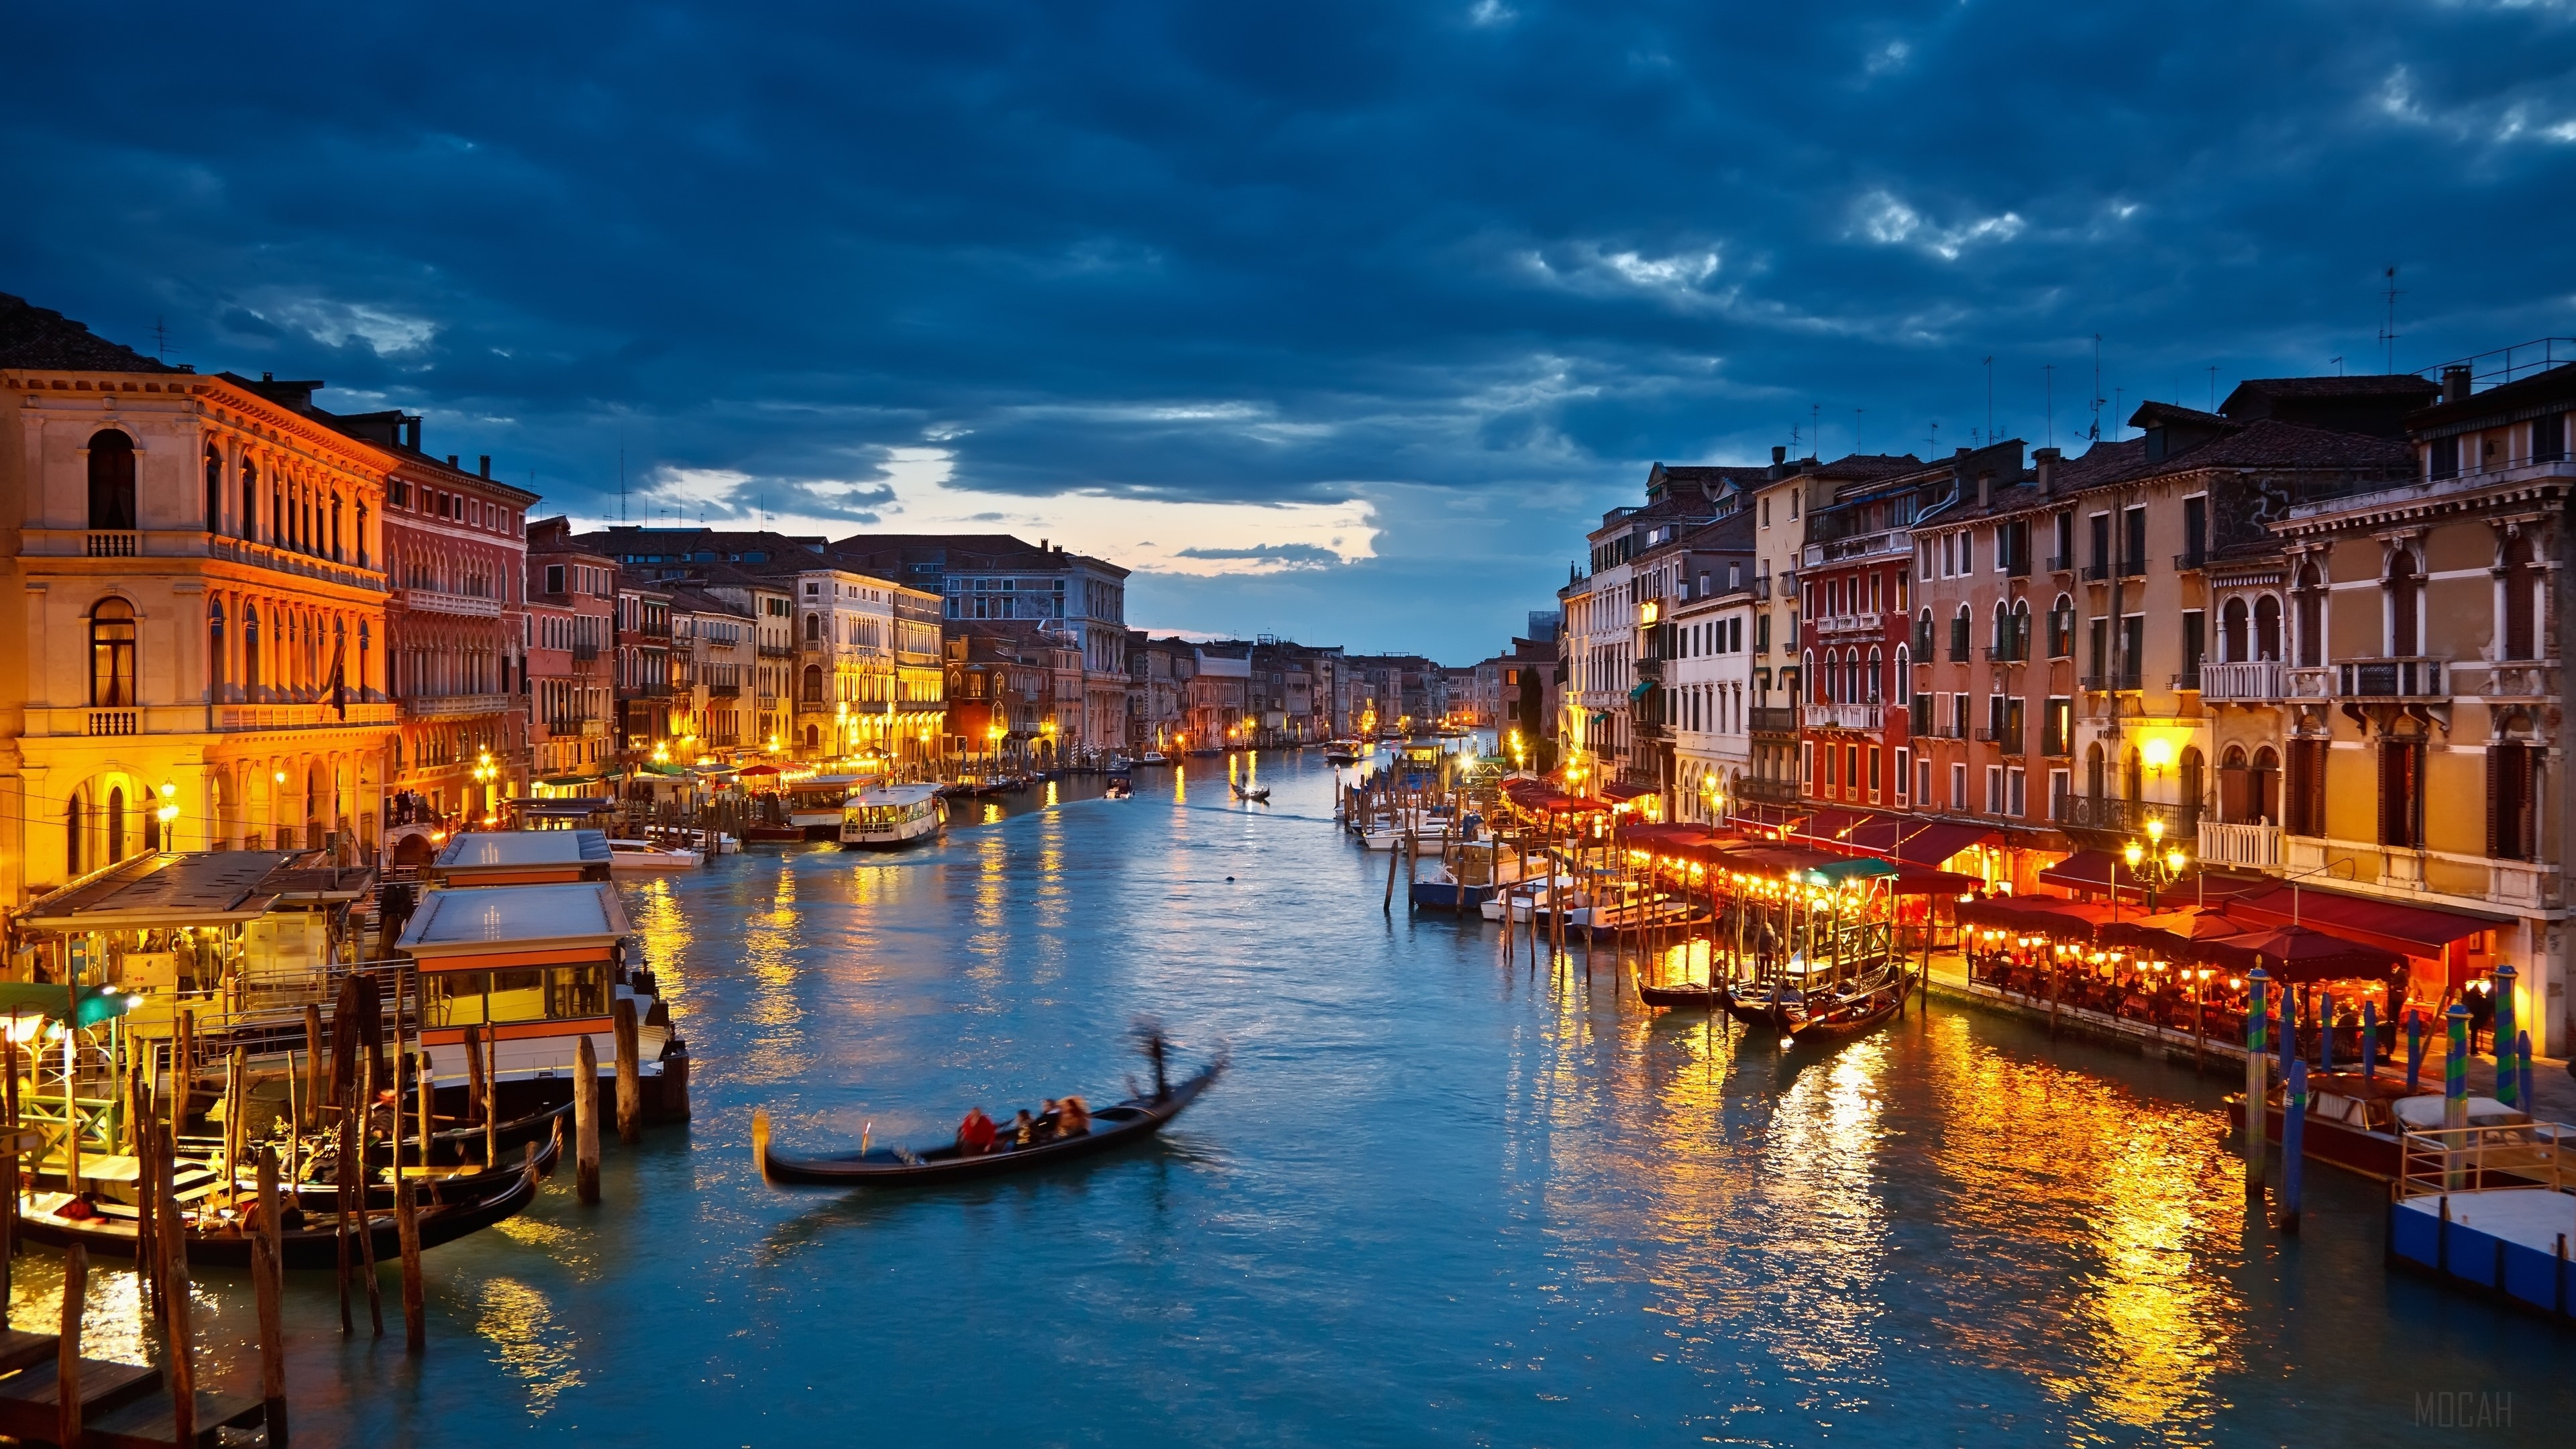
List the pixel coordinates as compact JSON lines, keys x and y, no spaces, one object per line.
{"x":491,"y":920}
{"x":39,"y":337}
{"x":514,"y":849}
{"x":196,"y":888}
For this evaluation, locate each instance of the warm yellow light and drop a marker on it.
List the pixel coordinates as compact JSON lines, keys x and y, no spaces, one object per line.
{"x":2155,"y":828}
{"x":2133,"y":853}
{"x":168,"y":790}
{"x":279,"y":776}
{"x":2157,"y":753}
{"x":2175,"y":860}
{"x":1649,"y":611}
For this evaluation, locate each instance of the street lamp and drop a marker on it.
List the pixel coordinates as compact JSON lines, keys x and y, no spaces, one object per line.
{"x":2155,"y":864}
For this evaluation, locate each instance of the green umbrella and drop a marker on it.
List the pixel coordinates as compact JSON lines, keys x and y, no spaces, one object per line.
{"x":97,"y":1003}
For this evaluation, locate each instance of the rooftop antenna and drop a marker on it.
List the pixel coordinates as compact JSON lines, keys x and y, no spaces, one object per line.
{"x":160,"y":339}
{"x":2048,"y":392}
{"x":2337,"y":359}
{"x":2388,"y":330}
{"x":1990,"y":397}
{"x":1934,"y":442}
{"x":2096,"y":433}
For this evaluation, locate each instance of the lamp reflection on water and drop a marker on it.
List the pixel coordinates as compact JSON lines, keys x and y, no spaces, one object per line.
{"x":527,"y":1342}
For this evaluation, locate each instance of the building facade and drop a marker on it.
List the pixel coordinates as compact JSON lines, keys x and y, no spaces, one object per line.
{"x":570,"y":684}
{"x":198,"y":602}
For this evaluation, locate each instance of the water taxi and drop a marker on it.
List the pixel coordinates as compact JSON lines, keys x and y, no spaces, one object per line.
{"x":812,"y":806}
{"x":892,"y":816}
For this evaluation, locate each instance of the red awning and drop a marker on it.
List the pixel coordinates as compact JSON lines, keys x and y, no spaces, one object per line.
{"x":1937,"y":841}
{"x":1833,"y":827}
{"x":1619,"y":790}
{"x":1915,"y":880}
{"x":2096,"y":870}
{"x":2391,"y":925}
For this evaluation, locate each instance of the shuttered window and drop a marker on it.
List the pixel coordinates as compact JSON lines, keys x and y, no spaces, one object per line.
{"x":2510,"y":800}
{"x":2305,"y":806}
{"x":2401,"y":793}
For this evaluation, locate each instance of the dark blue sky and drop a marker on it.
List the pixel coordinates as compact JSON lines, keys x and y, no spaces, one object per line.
{"x":1337,"y":319}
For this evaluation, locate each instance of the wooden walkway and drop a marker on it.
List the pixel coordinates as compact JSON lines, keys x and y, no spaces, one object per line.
{"x":123,"y":1405}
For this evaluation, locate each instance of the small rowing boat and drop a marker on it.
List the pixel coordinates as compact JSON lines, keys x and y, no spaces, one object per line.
{"x":1260,"y":796}
{"x":1129,"y":1122}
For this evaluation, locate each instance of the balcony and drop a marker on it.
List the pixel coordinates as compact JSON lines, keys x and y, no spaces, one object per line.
{"x":2017,"y":567}
{"x":2247,"y":680}
{"x":2059,"y":563}
{"x":2133,"y":567}
{"x":585,"y":654}
{"x":569,"y":726}
{"x":318,"y":715}
{"x":1771,"y":720}
{"x":113,"y":722}
{"x":1860,"y":546}
{"x":1843,"y":716}
{"x":724,"y":691}
{"x":2254,"y":846}
{"x":2187,"y":682}
{"x":115,"y":545}
{"x":2125,"y":680}
{"x":2123,"y":817}
{"x":2007,"y":741}
{"x":2191,"y":560}
{"x":457,"y":706}
{"x":2408,"y":678}
{"x":1650,"y":671}
{"x":2011,"y":651}
{"x":777,"y":651}
{"x":1867,"y":621}
{"x":2096,"y":571}
{"x":439,"y":601}
{"x":180,"y":543}
{"x":1755,"y":789}
{"x":1762,"y":588}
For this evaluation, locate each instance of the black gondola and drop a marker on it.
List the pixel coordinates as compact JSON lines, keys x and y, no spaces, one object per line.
{"x":1257,"y":797}
{"x":1130,"y":1121}
{"x":1846,"y":1014}
{"x":113,"y":1232}
{"x":1690,"y":997}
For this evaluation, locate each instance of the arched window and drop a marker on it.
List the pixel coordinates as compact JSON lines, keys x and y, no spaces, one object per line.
{"x":366,"y":667}
{"x":1904,"y":676}
{"x":2093,"y":770}
{"x":2233,"y":638}
{"x":215,"y":647}
{"x":2310,"y":599}
{"x":1959,"y":636}
{"x":111,"y":655}
{"x":2520,"y":634}
{"x":111,"y":480}
{"x":2405,"y":592}
{"x":251,"y":677}
{"x":2191,"y":771}
{"x":1876,"y":674}
{"x":2133,"y":776}
{"x":74,"y":827}
{"x":2020,"y":629}
{"x":1998,"y":645}
{"x":249,"y":523}
{"x":362,"y":536}
{"x":814,"y":628}
{"x":335,"y":525}
{"x":2267,"y":628}
{"x":214,"y":489}
{"x":813,"y":682}
{"x":1816,"y":690}
{"x":115,"y":824}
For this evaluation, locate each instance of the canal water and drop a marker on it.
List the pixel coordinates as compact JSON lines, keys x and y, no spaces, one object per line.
{"x":1439,"y":1199}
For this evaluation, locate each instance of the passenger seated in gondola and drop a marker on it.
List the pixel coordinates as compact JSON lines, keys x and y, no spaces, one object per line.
{"x":1072,"y":1118}
{"x":1024,"y":1130}
{"x":975,"y":1134}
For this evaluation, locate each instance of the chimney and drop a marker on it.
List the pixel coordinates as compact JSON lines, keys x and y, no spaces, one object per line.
{"x":486,"y":464}
{"x":451,"y":460}
{"x":1779,"y":454}
{"x":1042,"y":546}
{"x":2455,"y":382}
{"x":268,"y":377}
{"x":2046,"y":458}
{"x":1779,"y":464}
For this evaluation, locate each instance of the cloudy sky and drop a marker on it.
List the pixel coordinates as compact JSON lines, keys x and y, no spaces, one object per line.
{"x":1334,"y":320}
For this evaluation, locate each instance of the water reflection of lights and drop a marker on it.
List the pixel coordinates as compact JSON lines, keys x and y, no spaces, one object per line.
{"x":2128,"y":1206}
{"x":769,"y":948}
{"x":527,"y":1342}
{"x":664,"y":929}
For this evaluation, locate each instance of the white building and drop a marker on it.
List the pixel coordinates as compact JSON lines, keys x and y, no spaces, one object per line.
{"x":1709,"y":681}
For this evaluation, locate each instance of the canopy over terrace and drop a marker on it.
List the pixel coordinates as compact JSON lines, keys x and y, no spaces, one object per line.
{"x":1536,"y":798}
{"x":2105,"y":872}
{"x":523,"y":857}
{"x":2445,"y":941}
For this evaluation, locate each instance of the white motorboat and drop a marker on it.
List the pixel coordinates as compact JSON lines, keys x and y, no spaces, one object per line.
{"x":893,"y":816}
{"x":645,"y":857}
{"x":1388,"y":837}
{"x":1152,"y":757}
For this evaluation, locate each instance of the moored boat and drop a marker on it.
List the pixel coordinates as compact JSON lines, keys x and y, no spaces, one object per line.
{"x":216,"y":1238}
{"x":643,"y":857}
{"x":2359,"y":1123}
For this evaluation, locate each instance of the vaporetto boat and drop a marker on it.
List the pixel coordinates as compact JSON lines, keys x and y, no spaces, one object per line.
{"x":892,"y":816}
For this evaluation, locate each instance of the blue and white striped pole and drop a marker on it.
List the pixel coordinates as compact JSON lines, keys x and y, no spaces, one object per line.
{"x":2507,"y":1089}
{"x":2369,"y":1038}
{"x":2294,"y":1134}
{"x":2325,"y":1032}
{"x":2414,"y":1048}
{"x":2256,"y":1079}
{"x":2522,"y":1049}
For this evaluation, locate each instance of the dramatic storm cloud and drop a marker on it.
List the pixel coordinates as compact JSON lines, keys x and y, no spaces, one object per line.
{"x":1335,"y":320}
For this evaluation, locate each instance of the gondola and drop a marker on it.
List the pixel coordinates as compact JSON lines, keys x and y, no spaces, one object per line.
{"x":1130,"y":1121}
{"x":1120,"y":787}
{"x":1844,"y":1014}
{"x":1711,"y":996}
{"x":1257,"y":797}
{"x":316,"y":1245}
{"x":468,"y":1183}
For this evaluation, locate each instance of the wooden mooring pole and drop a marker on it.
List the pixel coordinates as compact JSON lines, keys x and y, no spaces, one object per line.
{"x":630,"y":1076}
{"x":174,"y":1299}
{"x":414,"y":1300}
{"x":585,"y":1120}
{"x":267,"y":1283}
{"x":67,"y":1355}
